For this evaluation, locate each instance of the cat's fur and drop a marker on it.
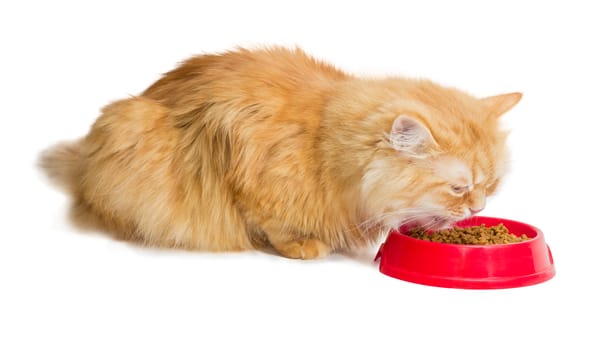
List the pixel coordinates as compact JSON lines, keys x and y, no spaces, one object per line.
{"x":273,"y":148}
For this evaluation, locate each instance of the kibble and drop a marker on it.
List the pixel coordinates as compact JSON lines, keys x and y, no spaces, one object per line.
{"x":474,"y":235}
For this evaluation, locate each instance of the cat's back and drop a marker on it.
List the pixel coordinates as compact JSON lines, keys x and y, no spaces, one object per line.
{"x":263,"y":74}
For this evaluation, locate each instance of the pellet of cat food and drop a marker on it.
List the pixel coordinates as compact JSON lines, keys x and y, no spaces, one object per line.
{"x":474,"y":235}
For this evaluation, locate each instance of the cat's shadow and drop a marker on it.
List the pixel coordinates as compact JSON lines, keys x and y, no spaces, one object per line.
{"x":364,"y":256}
{"x":88,"y":224}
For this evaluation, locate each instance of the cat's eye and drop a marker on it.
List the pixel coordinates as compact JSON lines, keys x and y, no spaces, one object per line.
{"x":459,"y":189}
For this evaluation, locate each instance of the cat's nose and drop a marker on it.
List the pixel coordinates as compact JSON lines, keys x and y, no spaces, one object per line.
{"x":474,"y":211}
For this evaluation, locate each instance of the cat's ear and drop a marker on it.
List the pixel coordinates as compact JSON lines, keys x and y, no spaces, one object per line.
{"x":410,"y":136}
{"x":500,"y":104}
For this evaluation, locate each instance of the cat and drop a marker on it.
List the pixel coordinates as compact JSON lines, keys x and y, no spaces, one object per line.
{"x":271,"y":148}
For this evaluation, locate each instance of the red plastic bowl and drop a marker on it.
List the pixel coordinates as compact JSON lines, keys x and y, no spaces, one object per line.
{"x":469,"y":266}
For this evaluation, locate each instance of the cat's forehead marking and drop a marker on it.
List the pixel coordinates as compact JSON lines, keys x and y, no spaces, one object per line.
{"x":454,"y":170}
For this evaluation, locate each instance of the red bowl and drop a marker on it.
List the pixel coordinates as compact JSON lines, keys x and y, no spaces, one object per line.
{"x":469,"y":266}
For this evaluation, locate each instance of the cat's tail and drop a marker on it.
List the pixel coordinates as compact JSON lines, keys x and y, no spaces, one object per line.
{"x":61,"y":164}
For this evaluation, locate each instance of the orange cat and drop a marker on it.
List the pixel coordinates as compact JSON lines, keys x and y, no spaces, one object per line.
{"x":273,"y":148}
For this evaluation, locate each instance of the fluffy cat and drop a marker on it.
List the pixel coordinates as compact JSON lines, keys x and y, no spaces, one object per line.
{"x":253,"y":149}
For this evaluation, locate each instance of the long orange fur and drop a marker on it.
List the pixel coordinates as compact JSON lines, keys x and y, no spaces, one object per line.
{"x":253,"y":149}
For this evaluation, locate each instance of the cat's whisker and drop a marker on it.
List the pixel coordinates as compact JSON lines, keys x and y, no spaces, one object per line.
{"x":409,"y":215}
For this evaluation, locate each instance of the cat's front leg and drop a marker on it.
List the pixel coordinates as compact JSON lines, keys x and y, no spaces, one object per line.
{"x":308,"y":248}
{"x":295,"y":246}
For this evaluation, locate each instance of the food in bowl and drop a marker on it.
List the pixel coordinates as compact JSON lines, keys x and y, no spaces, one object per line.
{"x":473,"y":235}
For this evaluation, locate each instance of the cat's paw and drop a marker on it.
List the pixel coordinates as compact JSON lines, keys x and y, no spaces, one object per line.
{"x":304,"y":249}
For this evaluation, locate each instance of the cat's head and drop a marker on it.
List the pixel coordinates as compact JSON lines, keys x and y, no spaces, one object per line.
{"x":442,"y":153}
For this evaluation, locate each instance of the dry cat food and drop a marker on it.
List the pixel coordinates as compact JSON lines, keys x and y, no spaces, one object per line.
{"x":476,"y":235}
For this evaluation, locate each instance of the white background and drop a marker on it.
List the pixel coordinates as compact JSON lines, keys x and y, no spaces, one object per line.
{"x":65,"y":289}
